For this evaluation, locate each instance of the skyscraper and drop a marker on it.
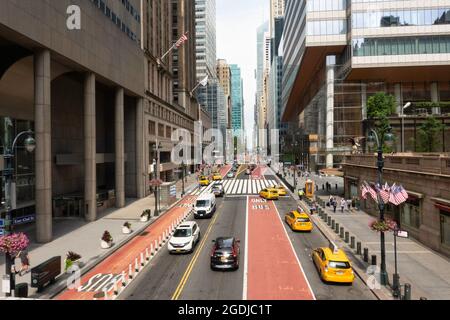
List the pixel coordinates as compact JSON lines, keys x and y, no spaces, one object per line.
{"x":237,"y":98}
{"x":331,"y":71}
{"x":224,"y":78}
{"x":205,"y":19}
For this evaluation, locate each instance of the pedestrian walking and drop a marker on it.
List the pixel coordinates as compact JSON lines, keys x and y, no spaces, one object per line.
{"x":334,"y":204}
{"x":313,"y":208}
{"x":349,"y":205}
{"x":343,"y":204}
{"x":301,"y":194}
{"x":25,"y":261}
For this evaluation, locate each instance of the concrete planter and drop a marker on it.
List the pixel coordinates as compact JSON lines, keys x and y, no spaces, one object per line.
{"x":106,"y":245}
{"x":145,"y":218}
{"x":126,"y":230}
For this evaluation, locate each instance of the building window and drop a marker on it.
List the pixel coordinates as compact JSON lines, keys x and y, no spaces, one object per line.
{"x":445,"y":228}
{"x":410,"y":213}
{"x":152,"y":128}
{"x":168,"y":132}
{"x":161,"y":130}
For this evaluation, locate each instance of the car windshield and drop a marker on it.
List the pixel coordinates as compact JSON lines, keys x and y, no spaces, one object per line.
{"x":224,"y":243}
{"x":339,"y":265}
{"x":202,"y":203}
{"x":303,"y":220}
{"x":182,"y":233}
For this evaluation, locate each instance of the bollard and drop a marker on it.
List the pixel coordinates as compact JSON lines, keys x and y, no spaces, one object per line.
{"x":329,"y":221}
{"x":366,"y":255}
{"x":130,"y":272}
{"x":333,"y":224}
{"x":142,"y":260}
{"x":337,"y":228}
{"x":105,"y":293}
{"x":160,"y":241}
{"x":374,"y":260}
{"x":323,"y":187}
{"x":116,"y":289}
{"x":407,"y":295}
{"x":352,"y":242}
{"x":325,"y":216}
{"x":347,"y":237}
{"x":341,"y":233}
{"x":358,"y":248}
{"x":136,"y":265}
{"x":147,"y":254}
{"x":124,"y":280}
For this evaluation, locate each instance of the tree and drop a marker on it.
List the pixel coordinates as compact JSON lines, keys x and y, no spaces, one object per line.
{"x":429,"y":134}
{"x":379,"y":107}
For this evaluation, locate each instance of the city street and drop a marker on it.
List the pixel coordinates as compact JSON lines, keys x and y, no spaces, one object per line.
{"x":274,"y":264}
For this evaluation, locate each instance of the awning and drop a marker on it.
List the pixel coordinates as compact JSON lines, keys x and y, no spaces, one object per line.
{"x":442,"y":204}
{"x":415,"y":194}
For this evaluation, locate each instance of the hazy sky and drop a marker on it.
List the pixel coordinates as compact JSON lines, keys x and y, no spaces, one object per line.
{"x":237,"y":21}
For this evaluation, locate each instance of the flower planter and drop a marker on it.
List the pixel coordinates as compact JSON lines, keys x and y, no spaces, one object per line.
{"x":106,"y":245}
{"x":74,"y":264}
{"x":126,"y":230}
{"x":145,"y":218}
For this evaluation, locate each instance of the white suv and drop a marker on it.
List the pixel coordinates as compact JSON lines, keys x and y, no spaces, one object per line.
{"x":186,"y":236}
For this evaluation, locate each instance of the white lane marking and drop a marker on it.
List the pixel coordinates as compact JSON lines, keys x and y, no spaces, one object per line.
{"x":295,"y":253}
{"x":236,"y":184}
{"x":241,"y":185}
{"x":230,"y":186}
{"x":254,"y":187}
{"x":244,"y":287}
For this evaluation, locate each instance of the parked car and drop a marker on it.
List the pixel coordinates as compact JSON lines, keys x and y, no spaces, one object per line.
{"x":185,"y":238}
{"x":225,"y":254}
{"x":205,"y":206}
{"x":218,"y":190}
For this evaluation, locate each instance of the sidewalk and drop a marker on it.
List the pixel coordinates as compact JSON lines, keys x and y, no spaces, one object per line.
{"x":426,"y":271}
{"x":84,"y":238}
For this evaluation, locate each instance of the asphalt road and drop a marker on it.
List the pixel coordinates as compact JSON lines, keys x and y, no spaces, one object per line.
{"x":189,"y":277}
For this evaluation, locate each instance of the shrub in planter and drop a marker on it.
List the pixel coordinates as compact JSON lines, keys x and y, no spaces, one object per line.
{"x":106,"y":240}
{"x":126,"y":229}
{"x":145,"y":216}
{"x":71,"y":259}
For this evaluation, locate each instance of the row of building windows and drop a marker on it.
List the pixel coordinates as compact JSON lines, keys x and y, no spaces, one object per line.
{"x":326,"y":5}
{"x":392,"y":18}
{"x":329,"y":27}
{"x":115,"y":19}
{"x":164,"y":114}
{"x":401,"y":46}
{"x":132,"y":10}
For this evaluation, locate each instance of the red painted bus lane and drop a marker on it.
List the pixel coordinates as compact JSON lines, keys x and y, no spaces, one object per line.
{"x":274,"y":271}
{"x":102,"y":275}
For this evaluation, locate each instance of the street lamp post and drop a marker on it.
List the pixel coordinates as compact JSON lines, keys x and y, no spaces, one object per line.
{"x":389,"y":139}
{"x":406,"y":106}
{"x":156,"y":148}
{"x":8,"y":174}
{"x":182,"y":179}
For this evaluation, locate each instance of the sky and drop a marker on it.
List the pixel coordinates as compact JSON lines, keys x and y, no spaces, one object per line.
{"x":237,"y":21}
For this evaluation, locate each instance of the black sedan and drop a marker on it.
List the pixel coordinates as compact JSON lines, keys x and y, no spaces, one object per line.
{"x":225,"y":254}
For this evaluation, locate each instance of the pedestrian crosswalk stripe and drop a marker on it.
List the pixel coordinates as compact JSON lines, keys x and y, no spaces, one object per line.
{"x":238,"y":187}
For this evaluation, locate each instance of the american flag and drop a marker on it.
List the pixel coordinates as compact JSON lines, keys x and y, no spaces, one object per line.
{"x":385,"y":193}
{"x":372,"y":192}
{"x":364,"y":191}
{"x":180,"y":41}
{"x":397,"y":196}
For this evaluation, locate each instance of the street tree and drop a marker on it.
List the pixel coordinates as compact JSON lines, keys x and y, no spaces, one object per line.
{"x":429,"y":134}
{"x":379,"y":107}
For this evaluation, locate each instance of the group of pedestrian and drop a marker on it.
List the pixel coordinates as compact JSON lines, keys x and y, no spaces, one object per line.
{"x":24,"y":257}
{"x":343,"y":204}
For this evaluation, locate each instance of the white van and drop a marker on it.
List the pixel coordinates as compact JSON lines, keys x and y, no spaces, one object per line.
{"x":205,"y":206}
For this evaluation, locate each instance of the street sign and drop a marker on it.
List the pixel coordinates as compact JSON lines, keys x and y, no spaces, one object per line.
{"x":402,"y":234}
{"x":6,"y":288}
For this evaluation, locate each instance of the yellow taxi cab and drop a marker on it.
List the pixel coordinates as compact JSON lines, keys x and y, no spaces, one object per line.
{"x":281,"y":190}
{"x":299,"y":221}
{"x":269,"y":194}
{"x":333,"y":265}
{"x":203,"y":181}
{"x":217,"y":176}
